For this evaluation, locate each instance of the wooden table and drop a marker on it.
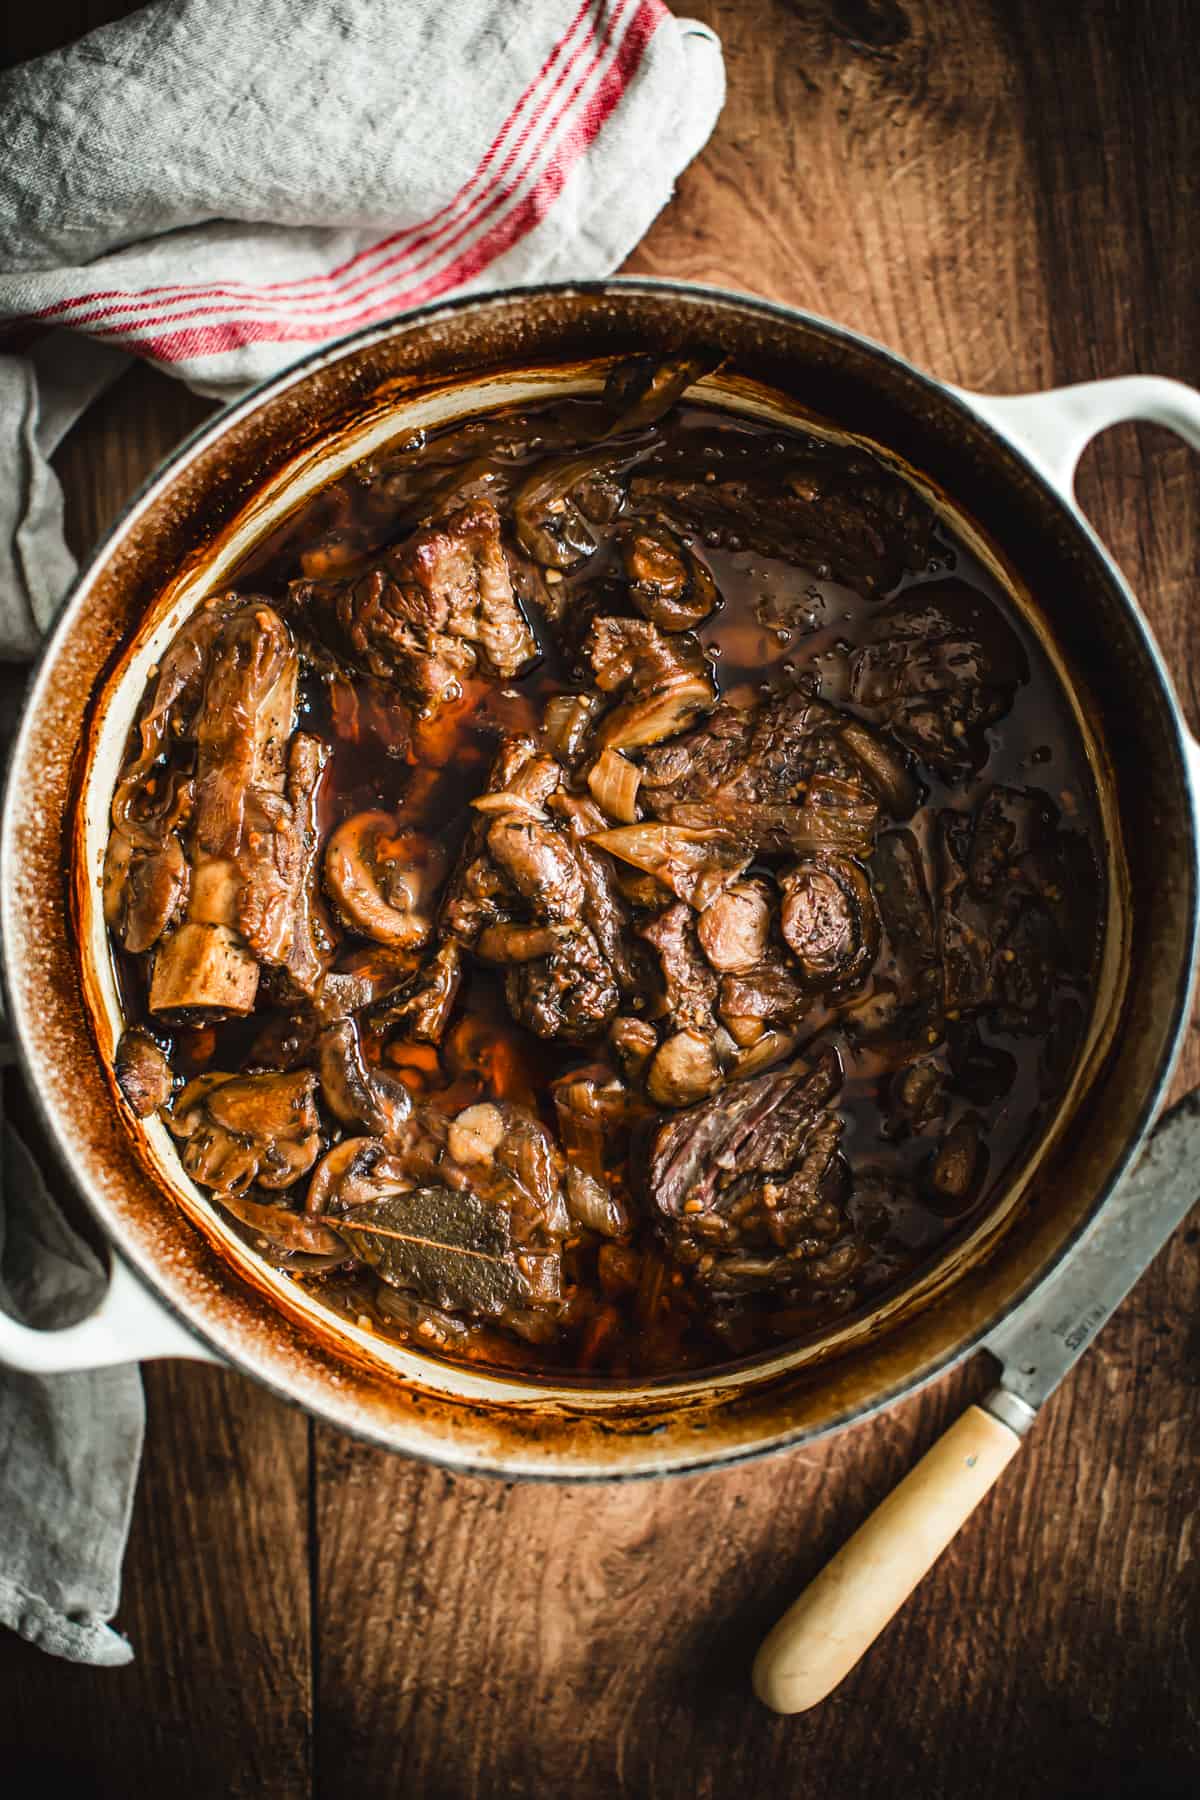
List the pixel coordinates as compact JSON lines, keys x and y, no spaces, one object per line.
{"x":1006,"y":193}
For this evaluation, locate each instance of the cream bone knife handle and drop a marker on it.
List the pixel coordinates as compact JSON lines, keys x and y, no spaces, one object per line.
{"x":841,"y":1613}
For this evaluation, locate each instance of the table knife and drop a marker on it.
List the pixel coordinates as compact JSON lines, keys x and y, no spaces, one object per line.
{"x":823,"y":1635}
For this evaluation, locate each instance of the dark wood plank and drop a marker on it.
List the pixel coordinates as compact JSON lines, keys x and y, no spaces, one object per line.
{"x":1006,"y":193}
{"x":913,"y":171}
{"x":216,"y":1603}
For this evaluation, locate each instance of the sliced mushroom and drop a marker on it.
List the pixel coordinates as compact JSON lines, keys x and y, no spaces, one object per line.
{"x":668,"y":583}
{"x":662,"y":685}
{"x":884,"y":766}
{"x":143,"y":1072}
{"x":830,"y":921}
{"x":733,"y":929}
{"x":644,"y":390}
{"x":145,"y":891}
{"x":768,"y":1048}
{"x":662,"y":711}
{"x":519,"y":943}
{"x":356,"y":1093}
{"x":383,"y":879}
{"x":357,"y":1170}
{"x":237,"y":1130}
{"x":423,"y":1006}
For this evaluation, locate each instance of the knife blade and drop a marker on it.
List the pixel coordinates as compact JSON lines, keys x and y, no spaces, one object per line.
{"x":842,"y":1611}
{"x":1040,"y":1342}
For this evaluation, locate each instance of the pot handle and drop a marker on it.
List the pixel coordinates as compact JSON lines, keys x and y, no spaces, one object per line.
{"x":1054,"y":428}
{"x":129,"y":1325}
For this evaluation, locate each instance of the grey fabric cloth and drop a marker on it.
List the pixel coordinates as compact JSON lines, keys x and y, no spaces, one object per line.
{"x":218,"y":188}
{"x":69,"y":1444}
{"x":41,"y":395}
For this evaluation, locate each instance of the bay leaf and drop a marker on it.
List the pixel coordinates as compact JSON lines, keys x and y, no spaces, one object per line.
{"x":450,"y":1246}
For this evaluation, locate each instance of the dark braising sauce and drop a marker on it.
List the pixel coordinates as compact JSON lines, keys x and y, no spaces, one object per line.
{"x":935,"y":969}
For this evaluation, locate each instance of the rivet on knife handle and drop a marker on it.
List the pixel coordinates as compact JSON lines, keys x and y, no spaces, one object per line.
{"x":841,"y":1613}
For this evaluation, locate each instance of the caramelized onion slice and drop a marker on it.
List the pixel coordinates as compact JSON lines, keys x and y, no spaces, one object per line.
{"x":660,"y":713}
{"x":593,"y":1205}
{"x":614,"y":782}
{"x":695,"y":865}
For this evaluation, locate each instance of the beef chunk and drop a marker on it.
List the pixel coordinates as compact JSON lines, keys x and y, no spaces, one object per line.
{"x":842,"y":515}
{"x":1008,"y":885}
{"x":241,"y":806}
{"x":605,"y":911}
{"x":421,"y":1005}
{"x":747,"y":1187}
{"x":940,"y":665}
{"x":906,"y":1009}
{"x":689,"y":982}
{"x":776,"y":775}
{"x":773,"y":992}
{"x":430,"y":612}
{"x":569,"y":993}
{"x":696,"y":1050}
{"x":279,"y":909}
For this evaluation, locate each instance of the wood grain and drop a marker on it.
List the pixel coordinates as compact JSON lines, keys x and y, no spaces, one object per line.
{"x":1006,"y":193}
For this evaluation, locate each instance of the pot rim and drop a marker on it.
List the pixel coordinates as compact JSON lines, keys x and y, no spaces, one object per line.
{"x":208,"y":433}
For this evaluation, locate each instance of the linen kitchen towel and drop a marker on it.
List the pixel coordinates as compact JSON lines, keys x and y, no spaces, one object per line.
{"x":220,"y":188}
